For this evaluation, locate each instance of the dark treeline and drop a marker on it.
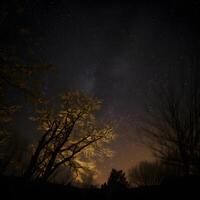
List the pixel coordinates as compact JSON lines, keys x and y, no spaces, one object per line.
{"x":16,"y":188}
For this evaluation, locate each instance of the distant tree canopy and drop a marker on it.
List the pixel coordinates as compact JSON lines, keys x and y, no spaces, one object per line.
{"x":21,"y":75}
{"x":70,"y":137}
{"x":150,"y":173}
{"x":172,"y":128}
{"x":17,"y":81}
{"x":117,"y":180}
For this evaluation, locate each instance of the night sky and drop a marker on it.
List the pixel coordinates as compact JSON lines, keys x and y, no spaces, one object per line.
{"x":114,"y":51}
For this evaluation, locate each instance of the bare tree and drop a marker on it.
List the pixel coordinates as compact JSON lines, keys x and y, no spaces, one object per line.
{"x":150,"y":173}
{"x":172,"y":127}
{"x":70,"y":138}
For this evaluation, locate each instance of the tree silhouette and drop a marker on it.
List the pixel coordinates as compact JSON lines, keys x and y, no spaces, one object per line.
{"x":172,"y":128}
{"x":116,"y":181}
{"x":70,"y":137}
{"x":150,"y":173}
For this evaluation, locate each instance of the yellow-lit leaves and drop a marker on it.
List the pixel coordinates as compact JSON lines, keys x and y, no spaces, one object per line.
{"x":80,"y":102}
{"x":72,"y":133}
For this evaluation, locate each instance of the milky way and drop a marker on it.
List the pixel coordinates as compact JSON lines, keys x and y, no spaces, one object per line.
{"x":114,"y":51}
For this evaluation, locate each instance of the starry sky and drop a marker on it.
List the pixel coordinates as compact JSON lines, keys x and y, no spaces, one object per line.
{"x":114,"y":50}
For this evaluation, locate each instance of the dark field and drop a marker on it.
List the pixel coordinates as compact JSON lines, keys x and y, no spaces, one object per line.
{"x":16,"y":188}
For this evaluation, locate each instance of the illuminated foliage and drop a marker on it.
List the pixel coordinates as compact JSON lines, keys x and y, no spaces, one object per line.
{"x":71,"y":137}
